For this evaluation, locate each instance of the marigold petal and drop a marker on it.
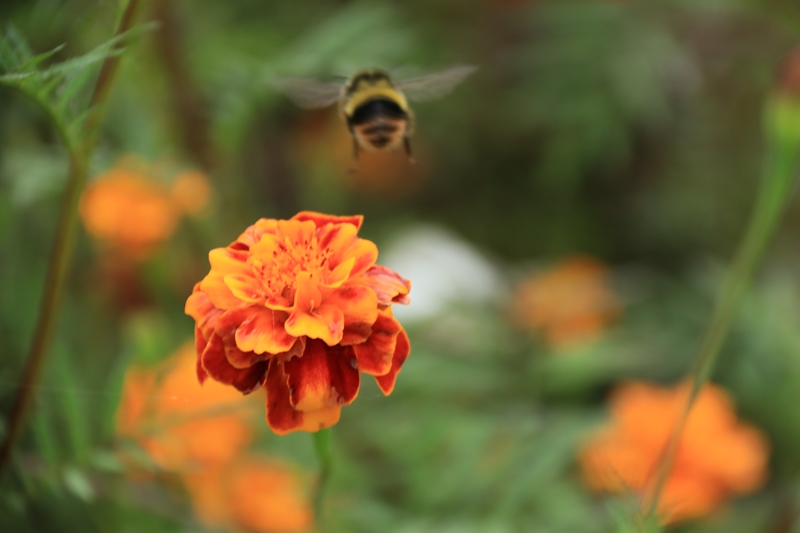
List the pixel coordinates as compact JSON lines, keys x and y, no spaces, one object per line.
{"x":389,"y":286}
{"x":282,"y":418}
{"x":200,"y":344}
{"x":324,"y":376}
{"x":215,"y":362}
{"x":321,"y":219}
{"x":200,"y":308}
{"x":336,"y":236}
{"x":365,"y":253}
{"x":326,"y":323}
{"x":401,"y":351}
{"x":295,"y":231}
{"x":253,"y":234}
{"x":360,"y":308}
{"x":375,"y":356}
{"x":340,"y":274}
{"x":244,"y":287}
{"x":264,"y":332}
{"x":224,"y":261}
{"x":307,"y":296}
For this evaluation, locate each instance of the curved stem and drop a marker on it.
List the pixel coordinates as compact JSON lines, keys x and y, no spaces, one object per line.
{"x":774,"y":196}
{"x":58,"y":266}
{"x":322,"y":445}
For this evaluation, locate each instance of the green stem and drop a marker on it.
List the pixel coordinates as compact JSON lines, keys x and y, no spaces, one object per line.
{"x":322,"y":445}
{"x":58,"y":266}
{"x":774,"y":196}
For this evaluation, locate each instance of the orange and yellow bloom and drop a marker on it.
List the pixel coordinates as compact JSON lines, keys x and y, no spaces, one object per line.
{"x":133,"y":213}
{"x":569,"y":304}
{"x":717,"y":457}
{"x":300,"y":307}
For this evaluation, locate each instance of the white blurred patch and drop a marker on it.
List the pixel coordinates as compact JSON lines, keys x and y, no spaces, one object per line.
{"x":444,"y":270}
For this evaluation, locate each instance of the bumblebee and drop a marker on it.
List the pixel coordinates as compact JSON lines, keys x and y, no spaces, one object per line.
{"x":375,"y":107}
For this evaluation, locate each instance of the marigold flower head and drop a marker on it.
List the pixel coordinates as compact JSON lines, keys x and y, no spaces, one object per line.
{"x":568,"y":304}
{"x":717,"y":457}
{"x":135,"y":214}
{"x":300,"y":307}
{"x":178,"y":423}
{"x":252,"y":494}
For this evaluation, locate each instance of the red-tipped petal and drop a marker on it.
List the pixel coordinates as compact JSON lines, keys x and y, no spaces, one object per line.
{"x":200,"y":308}
{"x":321,"y":219}
{"x":264,"y":332}
{"x":325,"y":322}
{"x":325,"y":376}
{"x":215,"y":362}
{"x":376,"y":355}
{"x":401,"y":351}
{"x":282,"y":418}
{"x":360,"y":308}
{"x":389,"y":286}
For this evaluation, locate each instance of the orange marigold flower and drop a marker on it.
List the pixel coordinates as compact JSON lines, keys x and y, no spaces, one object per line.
{"x":252,"y":494}
{"x":179,"y":424}
{"x":568,"y":304}
{"x":300,"y":307}
{"x":135,"y":214}
{"x":126,"y":209}
{"x":717,"y":456}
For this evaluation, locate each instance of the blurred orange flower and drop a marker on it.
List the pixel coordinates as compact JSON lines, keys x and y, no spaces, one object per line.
{"x":717,"y":456}
{"x":569,"y":304}
{"x":135,"y":214}
{"x":253,"y":494}
{"x":301,"y":307}
{"x":180,"y":424}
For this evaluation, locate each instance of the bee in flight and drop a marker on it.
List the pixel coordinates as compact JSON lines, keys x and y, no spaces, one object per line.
{"x":374,"y":106}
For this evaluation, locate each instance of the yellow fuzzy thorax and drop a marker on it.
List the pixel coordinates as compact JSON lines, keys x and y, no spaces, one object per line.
{"x":371,"y":90}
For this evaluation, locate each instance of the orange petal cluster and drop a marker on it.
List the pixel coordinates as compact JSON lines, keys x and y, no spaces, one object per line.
{"x":202,"y":434}
{"x":180,"y":424}
{"x":300,"y":307}
{"x":569,"y":304}
{"x":135,"y":214}
{"x":717,"y":457}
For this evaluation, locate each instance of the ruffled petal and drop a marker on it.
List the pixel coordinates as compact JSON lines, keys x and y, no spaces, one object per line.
{"x":244,"y":286}
{"x":200,"y":308}
{"x":365,"y":253}
{"x":224,"y":261}
{"x":325,"y":376}
{"x":390,"y":287}
{"x":336,"y":237}
{"x":376,"y":355}
{"x":401,"y":351}
{"x":215,"y":362}
{"x":264,"y":332}
{"x":295,"y":231}
{"x":360,"y":308}
{"x":282,"y":418}
{"x":321,"y":219}
{"x":253,"y":234}
{"x":326,"y":323}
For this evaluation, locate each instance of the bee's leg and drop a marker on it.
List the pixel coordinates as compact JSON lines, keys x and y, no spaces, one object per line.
{"x":407,"y":146}
{"x":354,"y":168}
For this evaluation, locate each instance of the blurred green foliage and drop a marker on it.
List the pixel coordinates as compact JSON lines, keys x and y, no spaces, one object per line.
{"x":626,"y":130}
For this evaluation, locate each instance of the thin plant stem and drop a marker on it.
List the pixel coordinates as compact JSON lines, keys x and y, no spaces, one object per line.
{"x":58,"y":267}
{"x":773,"y":198}
{"x":322,"y":445}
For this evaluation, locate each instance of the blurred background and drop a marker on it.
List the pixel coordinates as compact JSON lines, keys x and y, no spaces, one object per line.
{"x":576,"y":205}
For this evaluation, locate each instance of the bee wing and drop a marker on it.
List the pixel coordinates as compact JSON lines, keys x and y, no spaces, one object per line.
{"x":308,"y":93}
{"x":436,"y":85}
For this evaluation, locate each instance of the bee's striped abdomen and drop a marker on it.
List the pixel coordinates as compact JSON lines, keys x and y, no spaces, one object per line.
{"x":379,"y":123}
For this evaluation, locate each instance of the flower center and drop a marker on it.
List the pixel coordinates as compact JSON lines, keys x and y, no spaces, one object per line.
{"x":277,"y":270}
